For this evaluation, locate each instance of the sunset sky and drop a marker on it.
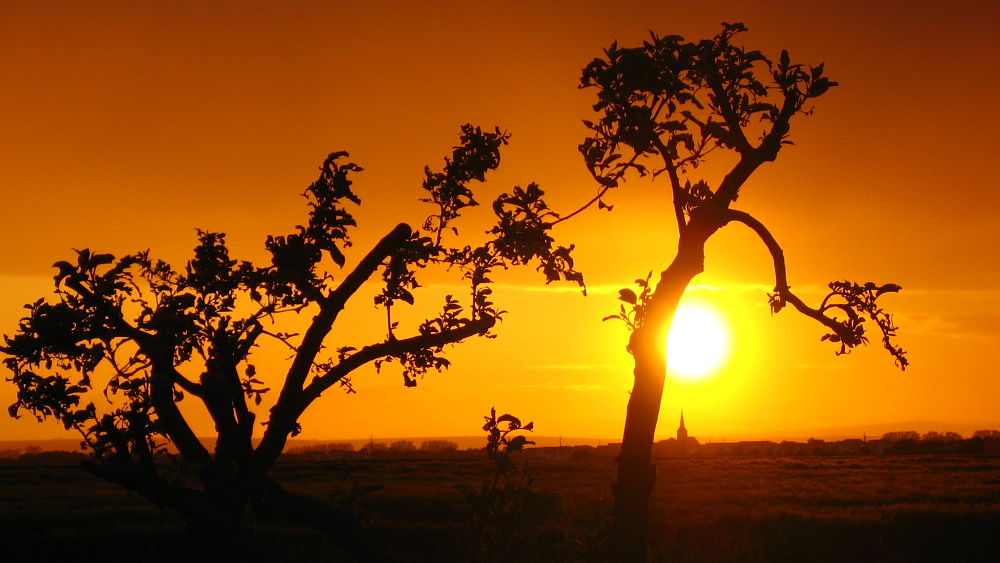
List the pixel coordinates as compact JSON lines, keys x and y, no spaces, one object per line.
{"x":127,"y":125}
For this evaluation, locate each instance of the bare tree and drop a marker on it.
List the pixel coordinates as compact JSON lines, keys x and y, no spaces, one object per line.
{"x":664,"y":108}
{"x":151,"y":336}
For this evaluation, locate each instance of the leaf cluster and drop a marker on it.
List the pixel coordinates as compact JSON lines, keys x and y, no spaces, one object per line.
{"x":521,"y":235}
{"x":633,"y":315}
{"x":856,"y":303}
{"x":294,"y":257}
{"x":503,"y":439}
{"x":679,"y":101}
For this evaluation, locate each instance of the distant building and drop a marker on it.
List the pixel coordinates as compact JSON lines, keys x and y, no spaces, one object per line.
{"x":682,"y":445}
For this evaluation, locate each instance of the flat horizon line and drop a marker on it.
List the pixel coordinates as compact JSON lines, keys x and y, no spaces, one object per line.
{"x":872,"y":431}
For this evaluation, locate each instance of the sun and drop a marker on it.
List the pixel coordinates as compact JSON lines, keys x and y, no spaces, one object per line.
{"x":698,"y":342}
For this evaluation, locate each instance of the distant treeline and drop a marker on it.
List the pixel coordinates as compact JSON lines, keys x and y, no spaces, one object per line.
{"x":982,"y":442}
{"x":892,"y":443}
{"x":938,"y":436}
{"x":402,"y":449}
{"x":34,"y":456}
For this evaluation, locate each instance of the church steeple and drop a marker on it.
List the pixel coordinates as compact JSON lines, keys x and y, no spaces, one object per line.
{"x":682,"y":433}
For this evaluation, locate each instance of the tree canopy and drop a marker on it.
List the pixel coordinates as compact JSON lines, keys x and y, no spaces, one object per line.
{"x":150,"y":336}
{"x":666,"y":106}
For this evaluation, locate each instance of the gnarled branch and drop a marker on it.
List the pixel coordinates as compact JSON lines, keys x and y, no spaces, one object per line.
{"x":848,"y":333}
{"x":393,"y":348}
{"x":331,"y":306}
{"x":781,"y":286}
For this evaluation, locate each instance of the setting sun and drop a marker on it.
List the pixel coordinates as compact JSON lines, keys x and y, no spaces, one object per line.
{"x":698,"y":343}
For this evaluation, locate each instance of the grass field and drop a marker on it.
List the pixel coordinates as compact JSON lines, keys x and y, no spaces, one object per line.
{"x":892,"y":508}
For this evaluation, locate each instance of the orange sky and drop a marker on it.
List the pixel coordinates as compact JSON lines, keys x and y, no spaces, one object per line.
{"x":128,"y":125}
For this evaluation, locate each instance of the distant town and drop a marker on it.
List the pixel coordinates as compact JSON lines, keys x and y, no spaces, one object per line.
{"x":982,"y":442}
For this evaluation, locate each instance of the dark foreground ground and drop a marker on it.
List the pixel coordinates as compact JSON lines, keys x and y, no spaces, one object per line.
{"x":899,"y":508}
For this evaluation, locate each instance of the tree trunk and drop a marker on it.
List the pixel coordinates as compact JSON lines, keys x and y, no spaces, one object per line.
{"x":342,"y":527}
{"x":636,"y":475}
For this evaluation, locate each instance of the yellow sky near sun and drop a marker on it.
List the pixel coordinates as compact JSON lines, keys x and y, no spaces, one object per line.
{"x":128,"y":126}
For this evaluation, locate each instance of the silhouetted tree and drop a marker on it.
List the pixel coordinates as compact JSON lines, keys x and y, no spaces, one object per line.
{"x":437,"y":445}
{"x":664,"y":107}
{"x":941,"y":437}
{"x":900,"y":436}
{"x":372,"y":447}
{"x":402,"y":446}
{"x":504,"y":509}
{"x":150,"y":336}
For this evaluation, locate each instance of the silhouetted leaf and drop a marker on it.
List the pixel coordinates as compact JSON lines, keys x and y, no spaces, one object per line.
{"x":65,"y":269}
{"x":101,"y":259}
{"x":627,"y":295}
{"x":337,"y":256}
{"x":517,"y":443}
{"x":513,"y":420}
{"x":888,"y":288}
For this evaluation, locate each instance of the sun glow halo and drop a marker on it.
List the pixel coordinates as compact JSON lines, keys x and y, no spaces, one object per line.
{"x":698,"y":342}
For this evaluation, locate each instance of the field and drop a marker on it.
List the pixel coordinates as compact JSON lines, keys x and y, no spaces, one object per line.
{"x":891,"y":508}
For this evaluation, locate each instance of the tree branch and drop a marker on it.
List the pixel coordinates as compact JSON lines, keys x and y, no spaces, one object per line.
{"x":188,"y":502}
{"x":342,"y":527}
{"x":740,"y":142}
{"x":287,"y":409}
{"x":275,"y":436}
{"x":771,"y":144}
{"x":184,"y":383}
{"x":781,"y":280}
{"x":331,"y":306}
{"x":600,"y":193}
{"x":142,"y":339}
{"x":161,"y":394}
{"x":729,"y":188}
{"x":393,"y":348}
{"x":675,"y":185}
{"x":113,"y":314}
